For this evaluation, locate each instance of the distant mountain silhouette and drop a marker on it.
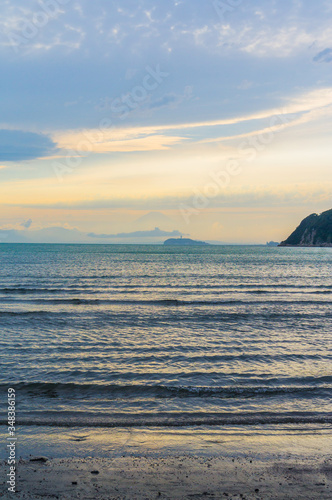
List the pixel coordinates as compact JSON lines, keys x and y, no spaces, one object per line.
{"x":314,"y":231}
{"x":58,"y":234}
{"x":183,"y":242}
{"x":143,"y":234}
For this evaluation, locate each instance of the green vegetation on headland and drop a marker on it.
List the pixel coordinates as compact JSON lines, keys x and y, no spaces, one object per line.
{"x":314,"y":231}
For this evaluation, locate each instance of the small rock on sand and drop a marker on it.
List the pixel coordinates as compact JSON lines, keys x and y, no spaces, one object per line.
{"x":39,"y":459}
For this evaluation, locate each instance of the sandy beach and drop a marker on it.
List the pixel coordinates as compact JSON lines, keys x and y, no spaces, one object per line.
{"x":287,"y":462}
{"x":172,"y":477}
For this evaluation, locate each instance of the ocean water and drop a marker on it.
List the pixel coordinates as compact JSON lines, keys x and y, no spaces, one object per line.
{"x":139,"y":335}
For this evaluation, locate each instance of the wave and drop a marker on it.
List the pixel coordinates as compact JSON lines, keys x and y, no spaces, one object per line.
{"x":169,"y":302}
{"x":175,"y":419}
{"x":24,"y":313}
{"x":124,"y":288}
{"x":113,"y":391}
{"x":32,"y":291}
{"x":103,"y":317}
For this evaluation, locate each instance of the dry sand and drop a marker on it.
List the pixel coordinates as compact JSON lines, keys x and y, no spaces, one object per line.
{"x":171,"y":477}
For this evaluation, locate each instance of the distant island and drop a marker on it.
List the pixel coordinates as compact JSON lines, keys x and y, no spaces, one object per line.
{"x":272,"y":244}
{"x":184,"y":242}
{"x":314,"y":231}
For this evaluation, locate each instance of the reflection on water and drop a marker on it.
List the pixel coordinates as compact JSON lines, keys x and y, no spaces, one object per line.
{"x":120,"y":335}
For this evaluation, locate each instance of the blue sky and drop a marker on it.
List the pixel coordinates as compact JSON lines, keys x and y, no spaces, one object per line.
{"x":215,"y":115}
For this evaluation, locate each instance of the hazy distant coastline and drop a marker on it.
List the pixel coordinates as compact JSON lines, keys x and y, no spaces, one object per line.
{"x":184,"y":242}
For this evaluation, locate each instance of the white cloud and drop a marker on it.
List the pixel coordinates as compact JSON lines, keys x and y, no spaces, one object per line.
{"x":115,"y":141}
{"x":279,"y":43}
{"x":294,"y":111}
{"x":254,"y":31}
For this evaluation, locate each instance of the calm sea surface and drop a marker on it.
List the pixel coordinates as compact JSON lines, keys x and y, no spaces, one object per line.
{"x":133,"y":335}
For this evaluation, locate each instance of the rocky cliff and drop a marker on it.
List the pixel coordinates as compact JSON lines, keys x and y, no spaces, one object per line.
{"x":314,"y":231}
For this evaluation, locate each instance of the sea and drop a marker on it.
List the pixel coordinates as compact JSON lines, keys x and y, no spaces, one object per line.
{"x":129,"y":336}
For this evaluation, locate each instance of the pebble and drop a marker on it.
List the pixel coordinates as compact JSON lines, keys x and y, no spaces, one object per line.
{"x":39,"y":459}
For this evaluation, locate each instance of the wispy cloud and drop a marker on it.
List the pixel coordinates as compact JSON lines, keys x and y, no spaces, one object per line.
{"x":251,"y":196}
{"x":121,"y":140}
{"x":305,"y":107}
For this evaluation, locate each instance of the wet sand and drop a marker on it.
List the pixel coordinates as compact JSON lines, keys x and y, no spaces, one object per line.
{"x":263,"y":462}
{"x":171,"y":477}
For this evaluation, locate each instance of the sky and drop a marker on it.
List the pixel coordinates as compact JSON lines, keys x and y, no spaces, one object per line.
{"x":210,"y":119}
